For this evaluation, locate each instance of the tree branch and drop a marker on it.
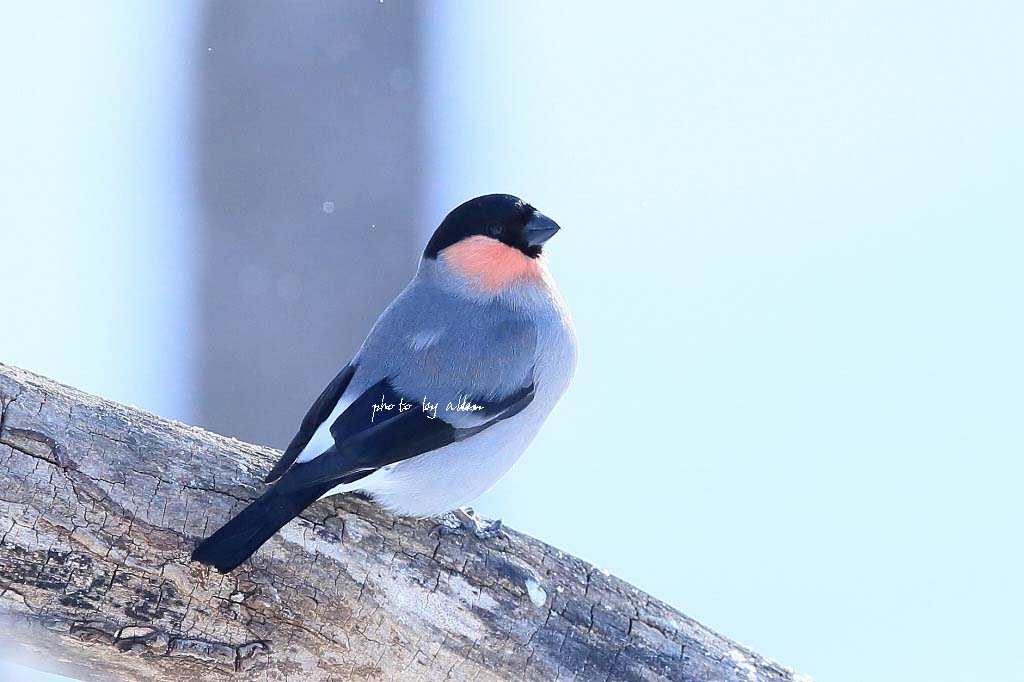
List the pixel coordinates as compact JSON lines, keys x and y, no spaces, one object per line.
{"x":100,"y":505}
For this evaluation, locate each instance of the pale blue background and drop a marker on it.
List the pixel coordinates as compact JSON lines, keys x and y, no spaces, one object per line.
{"x":793,"y":247}
{"x":792,"y":244}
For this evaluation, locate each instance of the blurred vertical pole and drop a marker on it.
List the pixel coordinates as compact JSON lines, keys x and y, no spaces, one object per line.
{"x":309,"y":159}
{"x":96,"y":218}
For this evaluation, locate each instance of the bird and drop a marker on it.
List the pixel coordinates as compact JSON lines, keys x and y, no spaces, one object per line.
{"x":447,"y":391}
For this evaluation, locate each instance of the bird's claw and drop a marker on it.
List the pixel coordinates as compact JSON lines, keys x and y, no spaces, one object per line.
{"x":465,"y":520}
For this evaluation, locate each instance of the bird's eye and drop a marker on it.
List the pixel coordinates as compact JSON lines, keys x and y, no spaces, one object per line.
{"x":494,"y":229}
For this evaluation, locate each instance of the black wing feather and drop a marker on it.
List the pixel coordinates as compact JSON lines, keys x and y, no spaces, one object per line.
{"x":362,"y":445}
{"x":320,"y":411}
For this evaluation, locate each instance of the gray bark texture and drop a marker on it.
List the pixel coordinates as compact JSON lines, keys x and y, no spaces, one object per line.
{"x":100,"y":505}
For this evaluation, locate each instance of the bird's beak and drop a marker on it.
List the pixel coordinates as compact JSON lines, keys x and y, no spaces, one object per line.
{"x":540,"y":229}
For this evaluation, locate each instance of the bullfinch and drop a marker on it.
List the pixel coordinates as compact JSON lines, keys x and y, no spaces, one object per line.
{"x":449,"y":388}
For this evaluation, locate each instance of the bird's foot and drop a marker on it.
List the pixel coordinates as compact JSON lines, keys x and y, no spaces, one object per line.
{"x":464,"y":520}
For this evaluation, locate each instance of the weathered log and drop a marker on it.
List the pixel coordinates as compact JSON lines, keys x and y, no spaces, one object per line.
{"x":100,"y":505}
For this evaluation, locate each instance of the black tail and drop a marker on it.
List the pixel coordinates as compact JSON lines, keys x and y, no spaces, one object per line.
{"x":241,"y":536}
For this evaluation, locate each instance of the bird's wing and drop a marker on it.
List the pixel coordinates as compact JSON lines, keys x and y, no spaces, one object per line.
{"x":366,"y":440}
{"x":321,"y":409}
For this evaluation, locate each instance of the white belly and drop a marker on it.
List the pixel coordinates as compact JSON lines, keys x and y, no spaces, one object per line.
{"x":453,"y":476}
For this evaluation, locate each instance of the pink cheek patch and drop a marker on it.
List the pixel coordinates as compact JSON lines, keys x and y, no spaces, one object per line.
{"x":493,"y":266}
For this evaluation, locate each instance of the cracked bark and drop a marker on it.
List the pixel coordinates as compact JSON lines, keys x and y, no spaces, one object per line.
{"x":100,"y":505}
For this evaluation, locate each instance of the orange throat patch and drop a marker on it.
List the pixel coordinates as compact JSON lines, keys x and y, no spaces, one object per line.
{"x":489,"y":264}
